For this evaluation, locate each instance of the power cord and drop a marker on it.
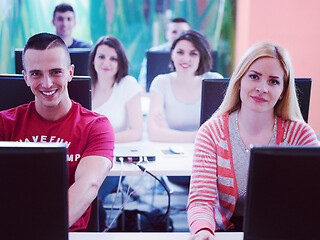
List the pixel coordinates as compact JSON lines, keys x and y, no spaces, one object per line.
{"x":127,"y":198}
{"x":143,"y":169}
{"x":117,"y":192}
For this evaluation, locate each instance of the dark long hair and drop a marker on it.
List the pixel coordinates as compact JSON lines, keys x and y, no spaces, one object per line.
{"x":123,"y":63}
{"x":203,"y":47}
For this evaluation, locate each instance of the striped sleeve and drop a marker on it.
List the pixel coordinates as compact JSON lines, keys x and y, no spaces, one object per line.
{"x":203,"y":186}
{"x":298,"y":134}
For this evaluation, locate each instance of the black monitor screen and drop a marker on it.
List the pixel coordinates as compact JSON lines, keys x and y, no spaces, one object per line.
{"x":213,"y":91}
{"x":14,"y":91}
{"x":34,"y":184}
{"x":79,"y":57}
{"x":158,"y":62}
{"x":283,"y":193}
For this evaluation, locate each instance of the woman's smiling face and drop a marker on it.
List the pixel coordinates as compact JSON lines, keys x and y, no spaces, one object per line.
{"x":185,"y":57}
{"x":106,"y":61}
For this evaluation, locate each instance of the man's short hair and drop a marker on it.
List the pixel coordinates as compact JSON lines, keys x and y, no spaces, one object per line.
{"x":43,"y":41}
{"x":63,"y":7}
{"x":179,"y":20}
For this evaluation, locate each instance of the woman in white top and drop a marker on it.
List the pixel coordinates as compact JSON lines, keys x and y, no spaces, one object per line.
{"x":175,"y":100}
{"x":115,"y":95}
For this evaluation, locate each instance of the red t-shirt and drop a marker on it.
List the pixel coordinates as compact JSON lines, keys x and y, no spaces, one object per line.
{"x":85,"y":133}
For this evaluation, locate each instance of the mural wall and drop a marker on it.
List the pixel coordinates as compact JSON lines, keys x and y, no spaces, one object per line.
{"x":139,"y":24}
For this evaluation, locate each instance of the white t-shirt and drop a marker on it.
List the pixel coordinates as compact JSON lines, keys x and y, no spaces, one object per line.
{"x":115,"y":107}
{"x":180,"y":116}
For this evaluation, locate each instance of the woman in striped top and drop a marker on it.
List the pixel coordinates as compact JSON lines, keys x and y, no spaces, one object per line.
{"x":260,"y":108}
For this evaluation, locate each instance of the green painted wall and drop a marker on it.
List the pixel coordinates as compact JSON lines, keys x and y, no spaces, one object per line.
{"x":139,"y":24}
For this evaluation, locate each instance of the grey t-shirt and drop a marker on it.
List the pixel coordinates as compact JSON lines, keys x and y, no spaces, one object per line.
{"x":241,"y":157}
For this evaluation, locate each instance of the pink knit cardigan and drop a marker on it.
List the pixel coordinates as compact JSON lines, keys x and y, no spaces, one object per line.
{"x":213,"y":188}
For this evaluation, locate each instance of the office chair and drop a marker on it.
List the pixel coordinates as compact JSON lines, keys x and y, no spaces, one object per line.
{"x":158,"y":62}
{"x":93,"y":224}
{"x":213,"y":91}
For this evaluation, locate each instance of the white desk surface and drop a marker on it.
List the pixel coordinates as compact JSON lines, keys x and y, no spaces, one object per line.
{"x":162,"y":166}
{"x":149,"y":236}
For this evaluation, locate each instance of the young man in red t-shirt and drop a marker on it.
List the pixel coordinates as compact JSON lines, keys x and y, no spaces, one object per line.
{"x":54,"y":117}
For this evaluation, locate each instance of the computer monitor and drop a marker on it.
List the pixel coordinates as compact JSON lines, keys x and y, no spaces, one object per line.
{"x":14,"y":91}
{"x":158,"y":62}
{"x":79,"y":57}
{"x":213,"y":91}
{"x":34,"y":185}
{"x":283,"y":193}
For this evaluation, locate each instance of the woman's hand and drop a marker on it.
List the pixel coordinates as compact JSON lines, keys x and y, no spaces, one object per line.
{"x":160,"y":120}
{"x":203,"y":235}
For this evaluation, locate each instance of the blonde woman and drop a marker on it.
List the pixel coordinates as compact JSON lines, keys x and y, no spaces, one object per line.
{"x":260,"y":108}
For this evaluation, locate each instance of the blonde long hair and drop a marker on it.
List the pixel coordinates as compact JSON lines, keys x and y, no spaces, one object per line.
{"x":287,"y":107}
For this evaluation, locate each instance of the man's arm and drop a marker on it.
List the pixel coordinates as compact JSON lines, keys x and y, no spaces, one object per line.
{"x":89,"y":176}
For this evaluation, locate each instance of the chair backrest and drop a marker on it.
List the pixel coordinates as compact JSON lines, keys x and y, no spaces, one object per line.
{"x":303,"y":88}
{"x":213,"y":91}
{"x":14,"y":91}
{"x":93,"y":224}
{"x":158,"y":62}
{"x":79,"y":58}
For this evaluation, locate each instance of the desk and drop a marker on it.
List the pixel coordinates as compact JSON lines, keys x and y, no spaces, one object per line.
{"x":162,"y":166}
{"x":149,"y":236}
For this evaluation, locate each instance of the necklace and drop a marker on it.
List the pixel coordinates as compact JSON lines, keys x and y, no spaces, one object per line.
{"x":237,"y":125}
{"x":246,"y":149}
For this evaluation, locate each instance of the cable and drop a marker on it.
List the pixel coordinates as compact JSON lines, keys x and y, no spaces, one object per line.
{"x":118,"y":190}
{"x":143,"y":169}
{"x":128,"y":195}
{"x":141,"y":159}
{"x":145,"y":158}
{"x":119,"y":211}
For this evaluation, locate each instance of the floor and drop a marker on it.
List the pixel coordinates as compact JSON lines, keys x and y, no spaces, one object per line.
{"x":148,"y":195}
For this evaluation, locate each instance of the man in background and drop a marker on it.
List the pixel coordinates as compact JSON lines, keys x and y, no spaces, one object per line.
{"x":64,"y":20}
{"x":174,"y":28}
